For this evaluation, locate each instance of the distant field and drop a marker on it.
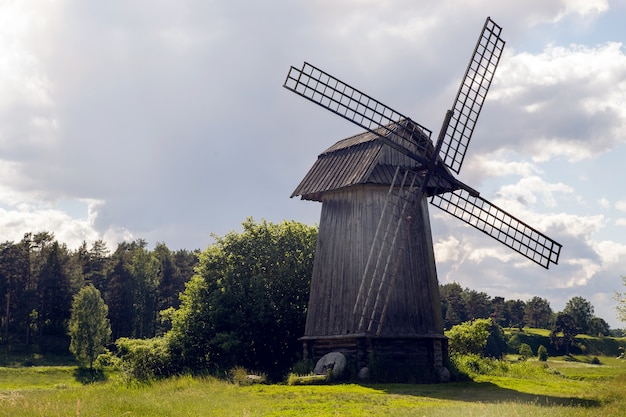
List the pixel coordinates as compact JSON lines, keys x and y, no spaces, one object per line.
{"x":564,"y":388}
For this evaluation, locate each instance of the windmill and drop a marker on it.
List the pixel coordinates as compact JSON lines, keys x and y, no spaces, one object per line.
{"x":374,"y":289}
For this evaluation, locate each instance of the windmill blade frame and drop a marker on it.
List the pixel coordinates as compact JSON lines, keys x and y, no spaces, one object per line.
{"x":471,"y":96}
{"x":359,"y":108}
{"x":500,"y":225}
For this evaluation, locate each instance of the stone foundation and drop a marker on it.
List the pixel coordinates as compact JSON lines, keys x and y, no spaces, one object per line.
{"x":409,"y":359}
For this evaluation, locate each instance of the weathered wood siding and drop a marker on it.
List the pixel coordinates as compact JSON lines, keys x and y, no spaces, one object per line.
{"x":347,"y":227}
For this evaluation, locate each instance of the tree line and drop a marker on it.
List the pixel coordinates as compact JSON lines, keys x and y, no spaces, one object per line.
{"x":240,"y":302}
{"x":461,"y":305}
{"x":39,"y":277}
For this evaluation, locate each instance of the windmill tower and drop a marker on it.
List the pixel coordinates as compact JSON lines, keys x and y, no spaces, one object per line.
{"x":374,"y":289}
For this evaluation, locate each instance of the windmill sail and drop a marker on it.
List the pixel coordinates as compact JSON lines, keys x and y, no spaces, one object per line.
{"x":497,"y":223}
{"x":471,"y":95}
{"x":329,"y":92}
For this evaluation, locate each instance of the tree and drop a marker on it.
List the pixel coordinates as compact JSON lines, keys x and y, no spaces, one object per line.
{"x":89,"y":327}
{"x":525,"y":351}
{"x":477,"y":304}
{"x":246,"y":305}
{"x":93,"y":263}
{"x":132,"y":281}
{"x":538,"y":312}
{"x":542,"y":353}
{"x":55,"y":297}
{"x":452,"y":304}
{"x":581,"y":311}
{"x":563,"y":332}
{"x":599,"y":327}
{"x":498,"y":311}
{"x":514,"y":311}
{"x":14,"y":268}
{"x":119,"y":290}
{"x":144,"y":270}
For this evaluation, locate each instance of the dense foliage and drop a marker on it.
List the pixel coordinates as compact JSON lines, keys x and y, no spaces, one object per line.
{"x":39,"y":278}
{"x":563,"y":332}
{"x":459,"y":305}
{"x":478,"y":337}
{"x":89,"y":326}
{"x":247,"y":303}
{"x":581,"y":312}
{"x":245,"y":306}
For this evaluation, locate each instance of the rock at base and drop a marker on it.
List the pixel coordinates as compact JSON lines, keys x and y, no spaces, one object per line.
{"x":335,"y":362}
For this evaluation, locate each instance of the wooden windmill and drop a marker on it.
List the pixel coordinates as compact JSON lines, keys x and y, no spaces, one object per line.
{"x":374,"y":289}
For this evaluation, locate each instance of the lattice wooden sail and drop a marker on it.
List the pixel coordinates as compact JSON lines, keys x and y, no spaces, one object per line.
{"x":500,"y":225}
{"x":357,"y":107}
{"x":471,"y":95}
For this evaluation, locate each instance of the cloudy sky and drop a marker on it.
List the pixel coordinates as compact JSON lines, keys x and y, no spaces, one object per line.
{"x":166,"y":120}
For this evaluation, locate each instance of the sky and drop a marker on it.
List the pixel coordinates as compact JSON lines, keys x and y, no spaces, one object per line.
{"x":167,"y":121}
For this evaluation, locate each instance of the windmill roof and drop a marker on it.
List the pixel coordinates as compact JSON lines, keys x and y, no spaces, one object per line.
{"x":361,"y":159}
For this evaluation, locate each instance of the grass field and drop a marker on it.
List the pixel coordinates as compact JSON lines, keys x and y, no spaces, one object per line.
{"x":563,"y":388}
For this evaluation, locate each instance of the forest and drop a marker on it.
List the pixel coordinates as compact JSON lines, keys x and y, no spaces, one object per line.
{"x":240,"y":302}
{"x":39,"y":277}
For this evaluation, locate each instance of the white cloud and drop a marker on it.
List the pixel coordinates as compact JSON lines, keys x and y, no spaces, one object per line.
{"x":604,"y":203}
{"x":500,"y":163}
{"x":620,"y":205}
{"x":525,"y":192}
{"x":582,"y":8}
{"x":447,"y":250}
{"x":556,"y":99}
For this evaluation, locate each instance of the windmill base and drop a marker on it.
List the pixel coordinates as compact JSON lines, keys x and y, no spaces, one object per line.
{"x":404,"y":359}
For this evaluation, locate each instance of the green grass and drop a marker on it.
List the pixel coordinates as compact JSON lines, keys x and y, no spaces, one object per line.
{"x":38,"y":377}
{"x":564,"y":388}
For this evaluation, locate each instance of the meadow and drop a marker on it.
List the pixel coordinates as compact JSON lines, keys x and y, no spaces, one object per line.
{"x":567,"y":386}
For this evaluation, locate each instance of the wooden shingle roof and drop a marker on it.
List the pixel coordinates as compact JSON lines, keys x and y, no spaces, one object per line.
{"x":359,"y":159}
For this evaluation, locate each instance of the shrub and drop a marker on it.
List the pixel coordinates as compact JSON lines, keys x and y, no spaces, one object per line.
{"x":469,"y":337}
{"x":525,"y":351}
{"x":480,"y":337}
{"x":145,"y":359}
{"x":107,"y":359}
{"x":542,"y":353}
{"x":471,"y":366}
{"x":468,"y":366}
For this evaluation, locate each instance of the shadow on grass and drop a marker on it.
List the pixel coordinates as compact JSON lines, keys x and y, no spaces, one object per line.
{"x":486,"y":392}
{"x":89,"y":375}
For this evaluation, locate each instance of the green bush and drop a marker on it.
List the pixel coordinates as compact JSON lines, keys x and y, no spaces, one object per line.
{"x":542,"y":353}
{"x":514,"y":343}
{"x":145,"y":359}
{"x":107,"y":359}
{"x":480,"y":337}
{"x":471,"y":366}
{"x":525,"y":351}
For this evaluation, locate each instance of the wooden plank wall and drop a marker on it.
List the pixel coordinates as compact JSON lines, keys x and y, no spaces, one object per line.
{"x":347,"y":227}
